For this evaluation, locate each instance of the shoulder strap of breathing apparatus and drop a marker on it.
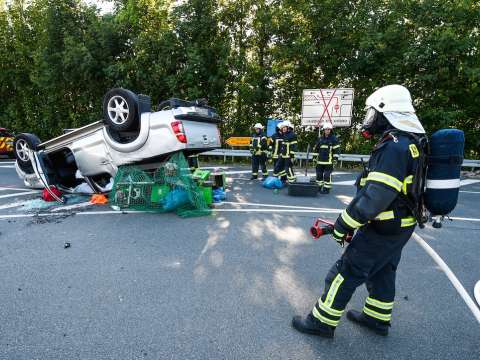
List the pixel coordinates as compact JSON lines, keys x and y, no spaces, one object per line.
{"x":414,"y":198}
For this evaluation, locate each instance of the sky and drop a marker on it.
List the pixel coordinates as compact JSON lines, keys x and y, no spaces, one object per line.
{"x":105,"y":6}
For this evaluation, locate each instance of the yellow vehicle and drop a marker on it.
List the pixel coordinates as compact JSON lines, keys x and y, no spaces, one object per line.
{"x":6,"y":143}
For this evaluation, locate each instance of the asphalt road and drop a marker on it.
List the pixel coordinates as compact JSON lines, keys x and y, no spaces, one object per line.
{"x":156,"y":286}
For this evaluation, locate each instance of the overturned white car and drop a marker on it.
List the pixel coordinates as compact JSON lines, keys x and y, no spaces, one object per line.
{"x":130,"y":133}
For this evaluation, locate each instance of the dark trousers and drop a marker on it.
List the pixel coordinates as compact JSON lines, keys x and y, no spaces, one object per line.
{"x":259,"y":161}
{"x":289,"y":170}
{"x":371,"y":258}
{"x":193,"y":162}
{"x":324,"y":175}
{"x":279,"y":168}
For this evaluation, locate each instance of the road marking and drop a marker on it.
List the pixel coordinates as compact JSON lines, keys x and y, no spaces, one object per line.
{"x":12,"y":205}
{"x":7,"y":166}
{"x":18,"y":194}
{"x":470,"y":192}
{"x":468,"y":182}
{"x":74,"y":206}
{"x":451,"y":276}
{"x":282,"y":206}
{"x":6,"y":188}
{"x":347,"y":182}
{"x":312,"y":211}
{"x":464,"y":219}
{"x":476,"y":292}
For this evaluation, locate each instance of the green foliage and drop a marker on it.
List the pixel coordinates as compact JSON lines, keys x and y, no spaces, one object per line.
{"x":251,"y":59}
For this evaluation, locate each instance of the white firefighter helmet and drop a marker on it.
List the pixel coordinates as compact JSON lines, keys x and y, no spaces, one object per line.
{"x":327,"y":125}
{"x":286,"y":123}
{"x":395,"y":102}
{"x":258,"y":126}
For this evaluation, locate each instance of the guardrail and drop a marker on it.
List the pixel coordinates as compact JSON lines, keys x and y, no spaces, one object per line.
{"x":303,"y":156}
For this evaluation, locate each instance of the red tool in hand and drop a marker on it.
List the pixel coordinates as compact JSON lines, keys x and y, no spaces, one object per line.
{"x":324,"y":227}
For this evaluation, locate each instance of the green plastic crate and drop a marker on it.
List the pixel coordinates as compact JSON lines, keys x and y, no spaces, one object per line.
{"x":158,"y":193}
{"x":207,"y":194}
{"x":201,"y":175}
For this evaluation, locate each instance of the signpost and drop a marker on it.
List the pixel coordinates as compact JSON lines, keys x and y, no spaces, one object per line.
{"x":238,"y":141}
{"x":327,"y":105}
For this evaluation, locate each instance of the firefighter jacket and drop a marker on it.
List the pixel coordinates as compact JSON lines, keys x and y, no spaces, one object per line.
{"x":324,"y":149}
{"x":276,"y":146}
{"x":258,"y":144}
{"x":289,"y":145}
{"x":383,"y":187}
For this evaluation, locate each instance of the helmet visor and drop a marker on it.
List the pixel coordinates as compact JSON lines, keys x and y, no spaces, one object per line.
{"x":370,"y":117}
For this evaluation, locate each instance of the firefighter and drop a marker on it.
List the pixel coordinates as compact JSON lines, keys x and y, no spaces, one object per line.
{"x":327,"y":144}
{"x":382,"y":214}
{"x":259,"y":149}
{"x":287,"y":151}
{"x":275,"y":147}
{"x":193,"y":162}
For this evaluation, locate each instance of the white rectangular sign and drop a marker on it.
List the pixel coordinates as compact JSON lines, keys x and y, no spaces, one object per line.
{"x":327,"y":105}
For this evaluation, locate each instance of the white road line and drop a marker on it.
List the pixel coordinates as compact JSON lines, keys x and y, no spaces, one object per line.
{"x":12,"y":205}
{"x":7,"y":166}
{"x":476,"y":292}
{"x":74,"y":206}
{"x":465,"y":219}
{"x":7,"y":162}
{"x":311,"y":211}
{"x":268,"y":209}
{"x":466,"y":182}
{"x":18,"y":194}
{"x":470,"y":192}
{"x":13,"y":188}
{"x":451,"y":276}
{"x":282,"y":206}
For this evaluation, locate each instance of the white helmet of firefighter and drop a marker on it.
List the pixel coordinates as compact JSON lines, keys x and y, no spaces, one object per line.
{"x":395,"y":103}
{"x":258,"y":126}
{"x":286,"y":123}
{"x":327,"y":125}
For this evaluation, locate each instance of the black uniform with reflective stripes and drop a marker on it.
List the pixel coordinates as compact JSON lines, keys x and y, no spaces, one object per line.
{"x":287,"y":155}
{"x":277,"y":140}
{"x":384,"y":225}
{"x":193,"y":162}
{"x":259,"y":148}
{"x":324,"y":149}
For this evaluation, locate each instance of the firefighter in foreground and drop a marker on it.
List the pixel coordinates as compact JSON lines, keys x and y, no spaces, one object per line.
{"x":259,"y":149}
{"x":327,"y":144}
{"x":275,"y":147}
{"x":382,"y":216}
{"x":287,"y":152}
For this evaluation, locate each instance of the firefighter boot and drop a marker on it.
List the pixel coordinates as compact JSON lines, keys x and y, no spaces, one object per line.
{"x":313,"y":326}
{"x":380,"y":328}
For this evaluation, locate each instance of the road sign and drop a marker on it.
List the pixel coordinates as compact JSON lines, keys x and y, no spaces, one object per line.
{"x":327,"y":105}
{"x":238,"y":141}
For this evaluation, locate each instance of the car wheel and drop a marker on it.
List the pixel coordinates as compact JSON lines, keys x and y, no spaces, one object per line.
{"x":21,"y":146}
{"x":120,"y":109}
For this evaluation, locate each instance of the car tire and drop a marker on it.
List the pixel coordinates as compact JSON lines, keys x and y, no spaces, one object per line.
{"x":21,"y":145}
{"x":120,"y":109}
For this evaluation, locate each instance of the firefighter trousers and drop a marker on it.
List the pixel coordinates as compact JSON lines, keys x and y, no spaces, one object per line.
{"x":279,"y":168}
{"x":259,"y":161}
{"x":288,"y":169}
{"x":324,"y":175}
{"x":370,"y":259}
